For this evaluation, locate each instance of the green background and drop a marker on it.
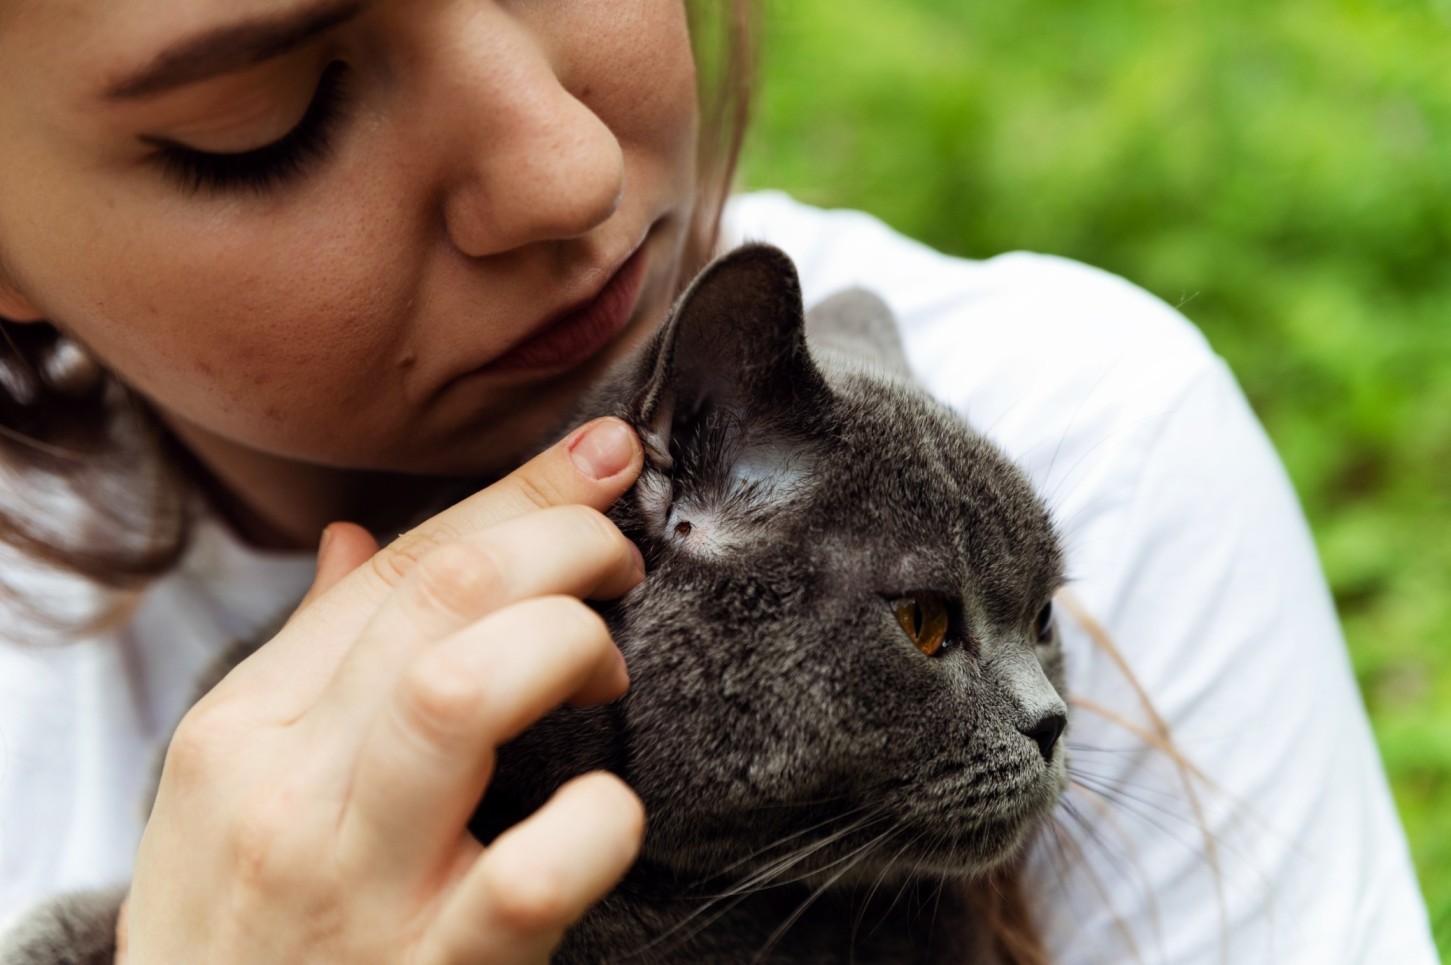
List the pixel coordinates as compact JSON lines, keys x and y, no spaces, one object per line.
{"x":1281,"y":171}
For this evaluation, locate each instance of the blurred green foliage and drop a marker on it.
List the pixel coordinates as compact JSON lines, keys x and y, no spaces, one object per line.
{"x":1282,"y":172}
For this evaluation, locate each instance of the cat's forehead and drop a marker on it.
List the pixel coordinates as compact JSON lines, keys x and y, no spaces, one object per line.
{"x":910,"y":480}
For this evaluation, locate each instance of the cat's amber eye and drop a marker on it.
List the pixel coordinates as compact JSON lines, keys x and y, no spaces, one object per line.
{"x":925,"y":618}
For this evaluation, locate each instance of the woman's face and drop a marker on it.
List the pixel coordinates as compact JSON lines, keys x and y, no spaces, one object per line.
{"x":342,"y":232}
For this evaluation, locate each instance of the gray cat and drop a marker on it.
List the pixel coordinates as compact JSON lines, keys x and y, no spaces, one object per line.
{"x":846,"y":687}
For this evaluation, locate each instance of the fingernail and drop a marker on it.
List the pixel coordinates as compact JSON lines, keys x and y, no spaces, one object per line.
{"x":327,"y":537}
{"x":605,"y":449}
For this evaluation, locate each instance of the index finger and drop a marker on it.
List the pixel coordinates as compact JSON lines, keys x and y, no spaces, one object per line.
{"x":592,"y":466}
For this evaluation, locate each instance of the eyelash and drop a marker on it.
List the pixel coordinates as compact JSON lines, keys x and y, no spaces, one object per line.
{"x":262,"y":169}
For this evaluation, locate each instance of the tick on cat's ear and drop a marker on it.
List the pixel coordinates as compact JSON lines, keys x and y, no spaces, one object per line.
{"x":926,"y":619}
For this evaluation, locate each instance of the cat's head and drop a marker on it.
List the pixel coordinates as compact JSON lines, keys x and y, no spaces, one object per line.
{"x":845,"y":638}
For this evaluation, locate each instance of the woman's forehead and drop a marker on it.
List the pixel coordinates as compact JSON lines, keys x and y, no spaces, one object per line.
{"x":107,"y":46}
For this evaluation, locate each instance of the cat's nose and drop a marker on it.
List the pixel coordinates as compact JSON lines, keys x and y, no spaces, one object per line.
{"x":1045,"y":733}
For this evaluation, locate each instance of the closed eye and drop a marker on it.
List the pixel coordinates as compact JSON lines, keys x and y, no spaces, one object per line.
{"x":263,"y":168}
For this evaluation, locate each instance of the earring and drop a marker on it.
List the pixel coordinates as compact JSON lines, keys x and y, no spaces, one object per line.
{"x":69,"y":369}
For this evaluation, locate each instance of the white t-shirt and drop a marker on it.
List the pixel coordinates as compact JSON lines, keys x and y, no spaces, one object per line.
{"x":1184,"y":541}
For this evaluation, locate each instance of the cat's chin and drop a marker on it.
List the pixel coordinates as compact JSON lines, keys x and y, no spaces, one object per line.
{"x":978,"y":845}
{"x":981,"y":849}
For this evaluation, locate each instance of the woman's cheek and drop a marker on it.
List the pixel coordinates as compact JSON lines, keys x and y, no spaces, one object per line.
{"x":259,"y":332}
{"x":637,"y":73}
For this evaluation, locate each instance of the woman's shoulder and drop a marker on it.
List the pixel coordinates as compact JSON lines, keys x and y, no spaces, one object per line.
{"x":1035,"y":350}
{"x":84,"y":707}
{"x":1039,"y":317}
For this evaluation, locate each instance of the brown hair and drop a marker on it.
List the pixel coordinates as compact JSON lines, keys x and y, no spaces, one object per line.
{"x":726,"y":43}
{"x":90,"y":491}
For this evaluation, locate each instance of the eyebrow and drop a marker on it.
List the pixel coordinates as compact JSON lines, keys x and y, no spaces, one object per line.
{"x":231,"y":48}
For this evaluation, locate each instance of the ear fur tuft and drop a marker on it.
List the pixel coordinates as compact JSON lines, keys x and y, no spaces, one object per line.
{"x":735,"y":343}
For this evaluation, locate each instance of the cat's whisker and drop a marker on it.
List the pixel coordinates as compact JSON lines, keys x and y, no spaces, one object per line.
{"x":1078,"y":748}
{"x":859,"y":855}
{"x":700,"y":927}
{"x":1062,"y":839}
{"x":936,"y":905}
{"x":1095,"y":880}
{"x":804,"y":802}
{"x":778,"y":881}
{"x":767,"y":877}
{"x":792,"y":837}
{"x":690,"y":918}
{"x":941,"y":883}
{"x":759,"y":881}
{"x":1149,"y":812}
{"x":1052,"y":498}
{"x":1058,"y":854}
{"x":1093,"y":832}
{"x":990,"y":431}
{"x":917,"y":878}
{"x":1068,"y":426}
{"x":887,"y":867}
{"x":1108,"y":792}
{"x":1129,"y":867}
{"x":1114,"y":784}
{"x":1069,"y":523}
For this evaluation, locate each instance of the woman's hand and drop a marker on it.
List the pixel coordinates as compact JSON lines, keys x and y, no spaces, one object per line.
{"x":313,"y":806}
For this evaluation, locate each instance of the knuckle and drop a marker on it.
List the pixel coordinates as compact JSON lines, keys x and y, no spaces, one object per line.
{"x":525,"y":899}
{"x":396,"y":560}
{"x":619,"y":809}
{"x":253,"y":841}
{"x":576,"y":622}
{"x":440,"y":702}
{"x":536,"y":492}
{"x":457,"y":578}
{"x":269,"y":854}
{"x":626,"y":555}
{"x":593,"y":526}
{"x":631,"y":813}
{"x":199,"y":743}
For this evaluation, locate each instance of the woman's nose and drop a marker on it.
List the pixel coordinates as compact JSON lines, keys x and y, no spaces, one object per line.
{"x":535,"y":163}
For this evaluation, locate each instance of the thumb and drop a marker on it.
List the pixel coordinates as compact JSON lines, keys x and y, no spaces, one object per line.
{"x":344,"y":547}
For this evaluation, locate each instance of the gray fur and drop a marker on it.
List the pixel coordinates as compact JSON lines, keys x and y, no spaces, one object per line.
{"x":783,"y":732}
{"x":72,"y":929}
{"x":816,"y":786}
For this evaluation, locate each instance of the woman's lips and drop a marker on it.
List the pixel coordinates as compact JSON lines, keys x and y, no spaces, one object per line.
{"x":568,"y":339}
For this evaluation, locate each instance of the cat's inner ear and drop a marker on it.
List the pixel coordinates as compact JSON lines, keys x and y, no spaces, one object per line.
{"x":729,"y":404}
{"x":732,"y":356}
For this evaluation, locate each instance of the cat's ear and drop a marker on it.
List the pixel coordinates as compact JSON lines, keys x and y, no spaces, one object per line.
{"x":856,"y":327}
{"x":736,"y":341}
